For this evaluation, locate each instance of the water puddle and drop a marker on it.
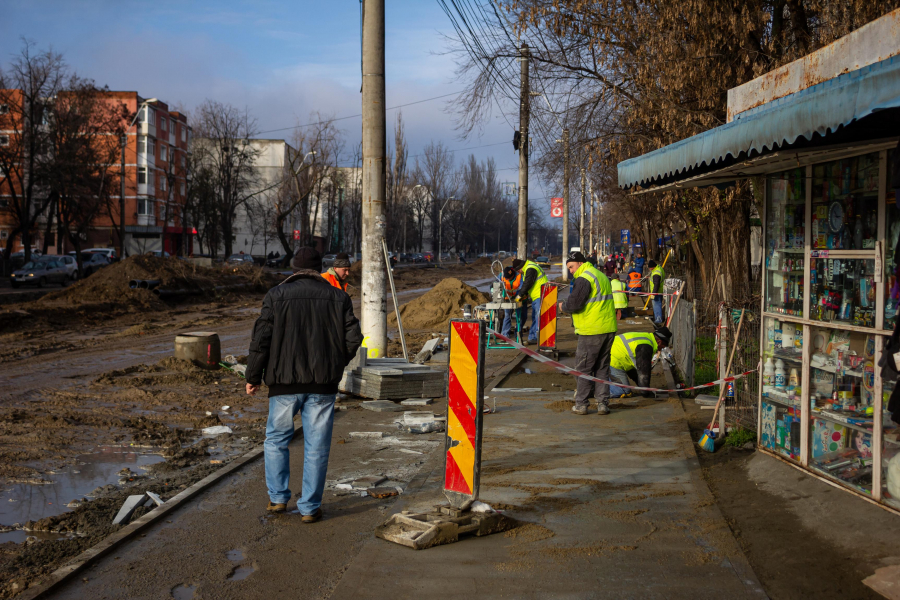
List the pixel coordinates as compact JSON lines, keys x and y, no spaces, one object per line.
{"x":23,"y":502}
{"x":184,"y":592}
{"x":240,"y":572}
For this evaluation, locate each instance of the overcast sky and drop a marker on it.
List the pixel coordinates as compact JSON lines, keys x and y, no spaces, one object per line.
{"x":283,"y":60}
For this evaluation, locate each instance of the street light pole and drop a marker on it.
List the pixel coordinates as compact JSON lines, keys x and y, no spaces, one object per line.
{"x":441,"y":230}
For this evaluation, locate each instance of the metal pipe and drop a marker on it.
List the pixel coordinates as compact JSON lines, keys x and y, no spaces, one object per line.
{"x":390,"y":273}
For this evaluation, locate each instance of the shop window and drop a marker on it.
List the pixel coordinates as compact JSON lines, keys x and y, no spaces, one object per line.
{"x":892,"y":236}
{"x":845,"y":204}
{"x":842,"y":399}
{"x":842,"y":290}
{"x":785,"y":215}
{"x":782,"y":392}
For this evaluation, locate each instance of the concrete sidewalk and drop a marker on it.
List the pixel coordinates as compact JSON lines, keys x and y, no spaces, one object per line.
{"x":613,"y":507}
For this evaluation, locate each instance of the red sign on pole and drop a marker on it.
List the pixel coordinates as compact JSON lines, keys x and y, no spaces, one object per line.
{"x":556,"y":208}
{"x":296,"y":234}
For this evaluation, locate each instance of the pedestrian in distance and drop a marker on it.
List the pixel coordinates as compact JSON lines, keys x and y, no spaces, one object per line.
{"x":337,"y":274}
{"x":533,"y":278}
{"x":620,"y":298}
{"x":610,"y":266}
{"x":657,"y":280}
{"x":304,"y":337}
{"x":593,"y":311}
{"x":632,"y":357}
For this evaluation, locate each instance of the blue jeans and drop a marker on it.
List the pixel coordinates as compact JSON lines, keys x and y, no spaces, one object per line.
{"x":317,"y":413}
{"x":521,"y":315}
{"x":535,"y":320}
{"x":620,"y":376}
{"x":657,"y":309}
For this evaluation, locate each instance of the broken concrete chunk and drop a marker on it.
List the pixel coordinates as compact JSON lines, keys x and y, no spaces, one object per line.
{"x":381,"y":405}
{"x":417,"y":417}
{"x":217,"y":430}
{"x":481,"y":507}
{"x":131,"y":504}
{"x":155,"y":497}
{"x":371,"y":435}
{"x":417,"y":401}
{"x":429,"y":427}
{"x":343,"y":486}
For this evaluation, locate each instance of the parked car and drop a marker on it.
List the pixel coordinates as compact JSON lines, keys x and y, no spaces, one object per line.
{"x":236,"y":259}
{"x":159,"y":253}
{"x":418,"y":257}
{"x":91,"y":262}
{"x":328,"y":261}
{"x":40,"y":273}
{"x":276,"y":261}
{"x":17,"y":259}
{"x":542,"y":261}
{"x":109,"y":253}
{"x":68,"y":262}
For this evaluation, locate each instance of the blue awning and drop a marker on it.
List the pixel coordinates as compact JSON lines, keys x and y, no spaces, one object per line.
{"x":820,"y":109}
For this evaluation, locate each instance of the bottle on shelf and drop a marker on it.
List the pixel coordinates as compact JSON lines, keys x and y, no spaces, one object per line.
{"x":779,"y":375}
{"x":768,"y":376}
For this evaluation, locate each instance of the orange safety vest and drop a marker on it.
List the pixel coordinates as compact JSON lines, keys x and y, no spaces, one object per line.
{"x":333,"y":280}
{"x":635,"y":283}
{"x":511,"y":286}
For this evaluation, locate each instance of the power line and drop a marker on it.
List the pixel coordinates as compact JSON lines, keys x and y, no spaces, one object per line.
{"x":359,"y":115}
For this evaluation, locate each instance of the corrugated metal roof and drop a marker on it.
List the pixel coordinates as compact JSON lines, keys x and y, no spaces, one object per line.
{"x":820,"y":109}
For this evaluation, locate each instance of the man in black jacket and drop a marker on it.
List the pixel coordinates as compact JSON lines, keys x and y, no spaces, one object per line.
{"x":304,"y":337}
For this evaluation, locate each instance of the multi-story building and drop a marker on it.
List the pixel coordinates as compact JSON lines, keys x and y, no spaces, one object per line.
{"x":157,"y":143}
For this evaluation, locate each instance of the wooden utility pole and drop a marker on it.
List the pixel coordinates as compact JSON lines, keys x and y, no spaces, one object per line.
{"x":565,"y":216}
{"x":374,"y":313}
{"x":524,"y":113}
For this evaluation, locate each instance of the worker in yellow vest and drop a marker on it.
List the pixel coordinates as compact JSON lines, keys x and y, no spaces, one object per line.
{"x":530,"y":292}
{"x":657,"y":281}
{"x":620,"y":298}
{"x":593,"y":313}
{"x":632,"y":357}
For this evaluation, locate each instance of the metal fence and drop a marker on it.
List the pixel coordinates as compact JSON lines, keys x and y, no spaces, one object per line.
{"x":716,"y":326}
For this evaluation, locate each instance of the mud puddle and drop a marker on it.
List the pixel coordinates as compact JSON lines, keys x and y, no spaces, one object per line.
{"x":240,"y":571}
{"x":22,"y":502}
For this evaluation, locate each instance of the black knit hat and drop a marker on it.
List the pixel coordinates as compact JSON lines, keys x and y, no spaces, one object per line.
{"x":518,"y":263}
{"x":306,"y":258}
{"x":342,"y":261}
{"x":575,"y":257}
{"x":663,"y":334}
{"x":509,"y":273}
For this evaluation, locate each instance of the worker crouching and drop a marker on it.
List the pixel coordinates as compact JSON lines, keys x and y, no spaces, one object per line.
{"x":632,"y":357}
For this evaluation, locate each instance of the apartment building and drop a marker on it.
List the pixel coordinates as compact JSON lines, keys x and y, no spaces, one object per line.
{"x":157,"y":146}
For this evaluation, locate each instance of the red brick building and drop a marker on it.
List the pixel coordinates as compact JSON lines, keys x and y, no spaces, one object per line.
{"x":156,"y":158}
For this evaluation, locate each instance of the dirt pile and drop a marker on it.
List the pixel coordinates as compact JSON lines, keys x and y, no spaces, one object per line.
{"x":435,"y":309}
{"x":110,"y":285}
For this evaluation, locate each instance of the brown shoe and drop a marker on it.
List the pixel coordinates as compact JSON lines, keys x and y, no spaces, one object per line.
{"x":276,"y":508}
{"x":313,"y":517}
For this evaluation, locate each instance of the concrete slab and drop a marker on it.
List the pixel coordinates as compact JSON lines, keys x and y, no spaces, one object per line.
{"x":381,"y":406}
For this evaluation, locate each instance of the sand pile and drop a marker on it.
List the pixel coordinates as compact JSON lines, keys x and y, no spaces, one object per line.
{"x":435,"y":309}
{"x":110,"y":284}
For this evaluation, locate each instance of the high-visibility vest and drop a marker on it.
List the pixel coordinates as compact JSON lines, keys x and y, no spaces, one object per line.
{"x":535,"y":291}
{"x":331,"y":277}
{"x":512,"y":286}
{"x":620,"y":300}
{"x":599,"y":314}
{"x":657,"y":270}
{"x":625,"y":345}
{"x":635,"y":282}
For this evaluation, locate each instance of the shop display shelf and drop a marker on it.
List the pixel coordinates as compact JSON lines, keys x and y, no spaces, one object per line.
{"x":839,"y":420}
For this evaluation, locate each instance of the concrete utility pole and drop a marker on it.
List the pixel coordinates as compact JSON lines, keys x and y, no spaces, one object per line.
{"x":581,"y":225}
{"x":565,"y":232}
{"x":524,"y":113}
{"x":591,"y":200}
{"x":374,"y":313}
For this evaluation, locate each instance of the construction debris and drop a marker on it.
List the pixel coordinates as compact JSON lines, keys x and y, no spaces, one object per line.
{"x":381,"y":406}
{"x":369,"y":481}
{"x":367,"y":435}
{"x":443,"y":526}
{"x":382,"y":492}
{"x":217,"y":430}
{"x":417,"y":401}
{"x":155,"y":497}
{"x":132,"y":503}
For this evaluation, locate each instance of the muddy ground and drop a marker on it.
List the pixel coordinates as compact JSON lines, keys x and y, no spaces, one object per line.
{"x":78,"y":375}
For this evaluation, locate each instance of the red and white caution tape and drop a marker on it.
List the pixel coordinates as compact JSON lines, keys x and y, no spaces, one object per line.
{"x":561,"y":367}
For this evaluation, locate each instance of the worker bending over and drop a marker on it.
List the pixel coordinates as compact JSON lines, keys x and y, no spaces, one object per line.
{"x":632,"y":357}
{"x":593,"y":313}
{"x":512,"y":281}
{"x":530,"y":292}
{"x":337,"y":274}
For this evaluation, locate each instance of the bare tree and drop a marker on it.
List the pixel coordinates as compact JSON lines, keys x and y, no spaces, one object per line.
{"x":27,"y":85}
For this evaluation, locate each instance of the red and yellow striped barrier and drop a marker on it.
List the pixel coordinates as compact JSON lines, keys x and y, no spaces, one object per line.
{"x":547,"y":335}
{"x":465,"y":394}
